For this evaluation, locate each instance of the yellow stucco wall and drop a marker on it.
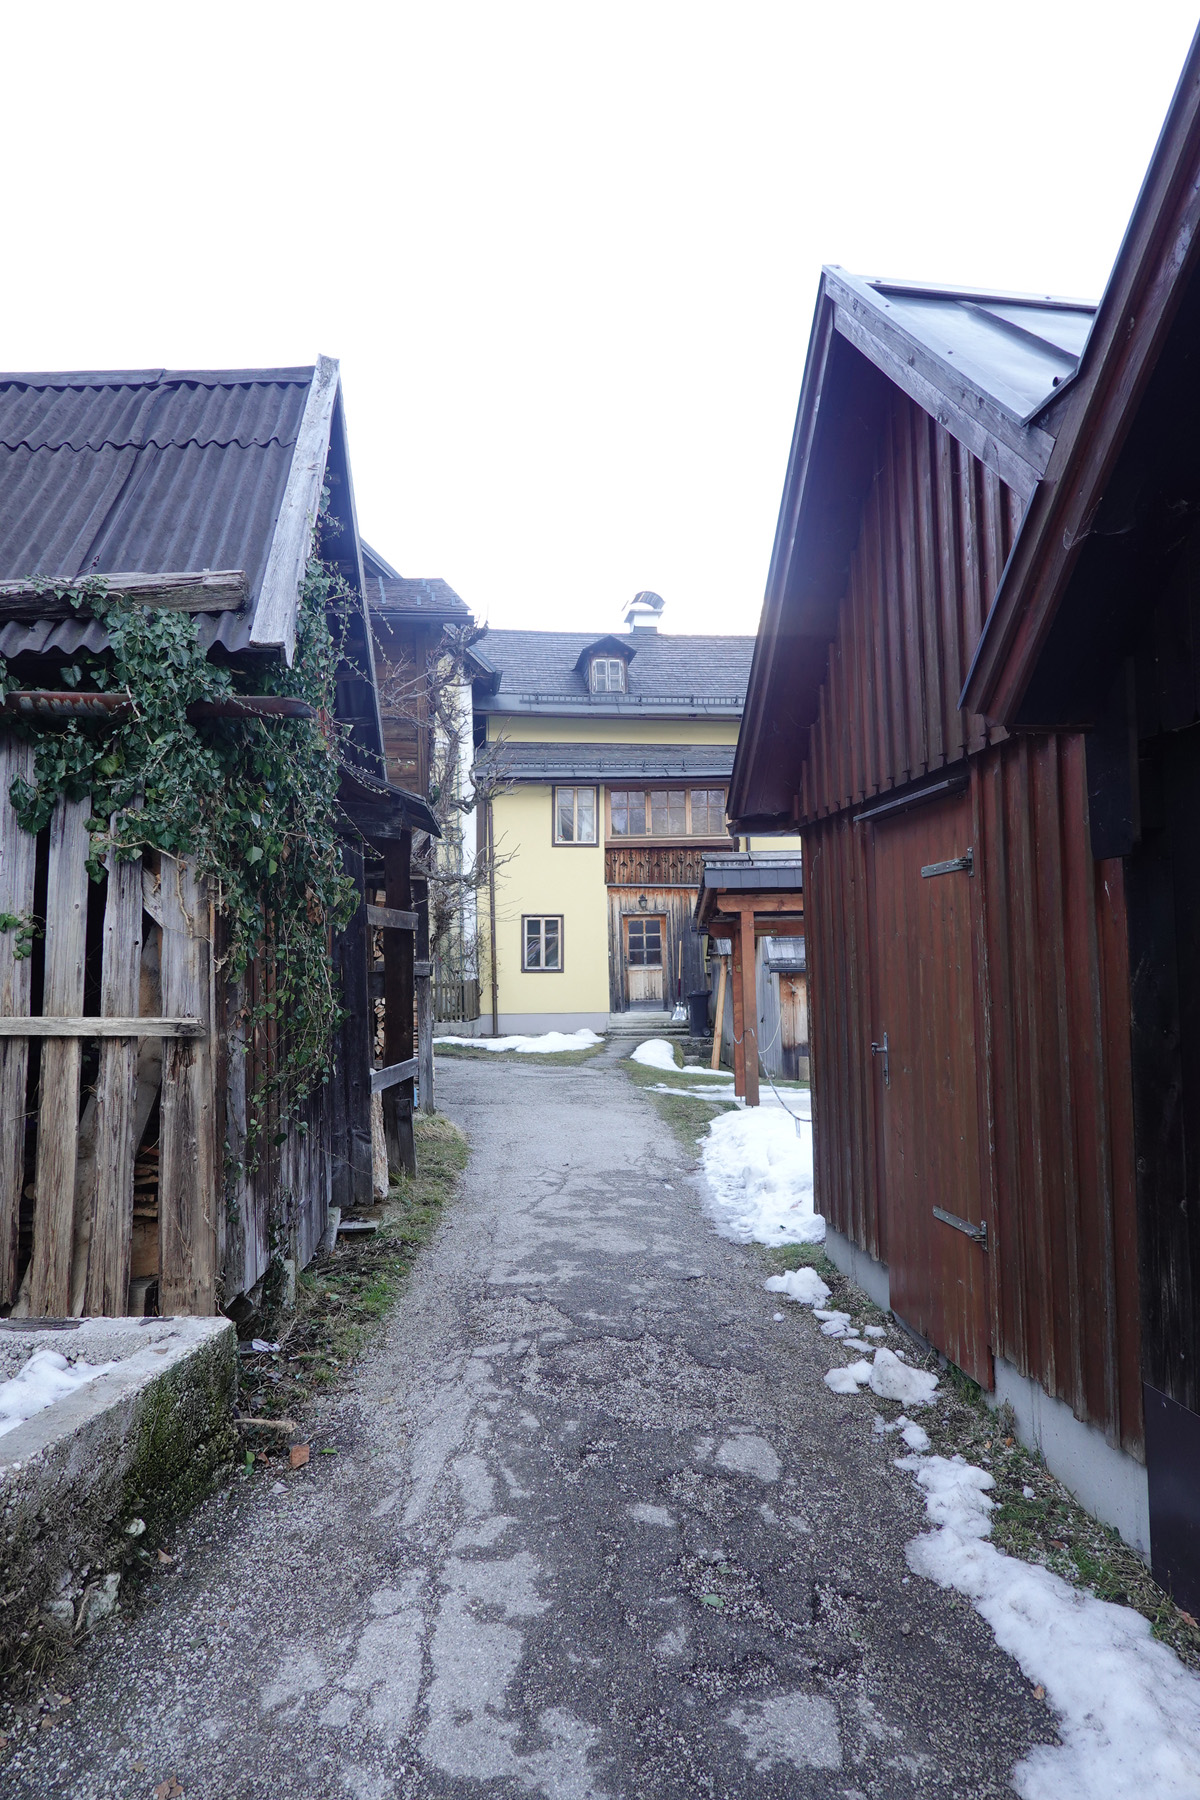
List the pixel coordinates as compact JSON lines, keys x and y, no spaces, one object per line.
{"x":792,"y":845}
{"x":544,"y":877}
{"x":526,"y":729}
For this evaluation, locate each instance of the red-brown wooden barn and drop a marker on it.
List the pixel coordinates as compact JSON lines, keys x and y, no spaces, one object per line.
{"x":966,"y":949}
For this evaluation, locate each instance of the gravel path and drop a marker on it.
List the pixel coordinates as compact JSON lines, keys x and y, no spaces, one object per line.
{"x":595,"y":1527}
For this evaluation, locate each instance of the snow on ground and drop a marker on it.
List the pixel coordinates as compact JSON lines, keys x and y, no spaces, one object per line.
{"x":1128,"y":1710}
{"x":803,"y":1285}
{"x":758,"y":1161}
{"x":46,"y":1377}
{"x":655,"y":1053}
{"x":550,"y":1043}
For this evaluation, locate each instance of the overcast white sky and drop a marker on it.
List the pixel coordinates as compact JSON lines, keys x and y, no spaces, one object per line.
{"x":567,"y":254}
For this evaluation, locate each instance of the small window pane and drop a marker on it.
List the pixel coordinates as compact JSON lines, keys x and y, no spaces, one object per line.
{"x":668,"y":813}
{"x":586,"y":815}
{"x":608,"y":675}
{"x":619,"y":809}
{"x":566,"y":815}
{"x":629,"y":812}
{"x":533,"y":943}
{"x":551,"y":943}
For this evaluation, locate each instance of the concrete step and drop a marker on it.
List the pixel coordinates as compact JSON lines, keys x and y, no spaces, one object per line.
{"x":645,"y":1025}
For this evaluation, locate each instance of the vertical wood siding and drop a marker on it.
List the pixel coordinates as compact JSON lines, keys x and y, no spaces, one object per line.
{"x":936,"y":530}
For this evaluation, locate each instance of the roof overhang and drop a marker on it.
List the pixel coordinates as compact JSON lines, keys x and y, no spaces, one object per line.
{"x":1059,"y":616}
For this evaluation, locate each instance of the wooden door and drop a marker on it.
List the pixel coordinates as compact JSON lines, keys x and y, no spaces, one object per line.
{"x":644,"y":959}
{"x":925,"y":1082}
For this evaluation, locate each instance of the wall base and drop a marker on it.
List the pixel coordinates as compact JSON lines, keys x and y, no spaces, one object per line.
{"x":533,"y":1024}
{"x":858,"y":1266}
{"x":1110,"y":1484}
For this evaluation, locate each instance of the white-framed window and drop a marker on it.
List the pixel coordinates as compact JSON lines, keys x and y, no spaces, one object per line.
{"x":575,"y":815}
{"x":667,"y":812}
{"x":542,"y":943}
{"x":607,"y":675}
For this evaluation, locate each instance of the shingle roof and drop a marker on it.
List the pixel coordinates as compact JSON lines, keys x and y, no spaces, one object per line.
{"x":150,"y":470}
{"x":417,"y":596}
{"x":539,"y":666}
{"x":608,"y":762}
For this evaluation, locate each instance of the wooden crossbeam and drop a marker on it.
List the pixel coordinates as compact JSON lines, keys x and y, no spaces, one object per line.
{"x":84,"y":1027}
{"x":393,"y":1075}
{"x":391,"y":918}
{"x":200,"y":590}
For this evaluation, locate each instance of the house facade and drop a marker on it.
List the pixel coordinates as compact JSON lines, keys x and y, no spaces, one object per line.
{"x":605,"y":763}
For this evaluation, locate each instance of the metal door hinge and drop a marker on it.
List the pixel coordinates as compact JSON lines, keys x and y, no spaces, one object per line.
{"x":952,"y":867}
{"x":976,"y":1233}
{"x":882,"y":1050}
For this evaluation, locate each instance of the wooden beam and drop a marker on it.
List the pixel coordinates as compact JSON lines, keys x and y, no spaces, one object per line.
{"x":747,"y":983}
{"x":423,"y":980}
{"x":739,"y":1017}
{"x":738,"y":901}
{"x":200,"y":590}
{"x":83,"y":1026}
{"x":389,"y":918}
{"x":719,"y":1023}
{"x":399,"y":954}
{"x":188,"y":1195}
{"x":393,"y":1075}
{"x":106,"y":1289}
{"x":18,"y":852}
{"x":275,"y":614}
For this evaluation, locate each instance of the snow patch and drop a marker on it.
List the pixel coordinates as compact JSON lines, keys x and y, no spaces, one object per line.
{"x":655,"y":1053}
{"x":45,"y":1378}
{"x":849,"y":1379}
{"x":550,"y":1043}
{"x":892,"y":1379}
{"x":803,"y":1285}
{"x":1128,"y":1710}
{"x":759,"y":1165}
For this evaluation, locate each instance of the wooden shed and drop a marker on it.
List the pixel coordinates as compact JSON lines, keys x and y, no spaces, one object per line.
{"x":966,"y":941}
{"x":1096,"y":628}
{"x":153,"y":1156}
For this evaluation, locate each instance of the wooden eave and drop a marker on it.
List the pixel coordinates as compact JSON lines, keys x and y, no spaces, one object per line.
{"x":1157,"y":260}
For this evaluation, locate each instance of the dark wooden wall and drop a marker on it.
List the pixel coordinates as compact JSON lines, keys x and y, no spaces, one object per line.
{"x":936,"y":530}
{"x":676,"y":906}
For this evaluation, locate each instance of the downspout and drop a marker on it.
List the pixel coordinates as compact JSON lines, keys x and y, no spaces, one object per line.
{"x":491,"y":842}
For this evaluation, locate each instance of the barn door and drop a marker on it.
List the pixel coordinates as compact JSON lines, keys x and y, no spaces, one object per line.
{"x":924,"y":1075}
{"x":644,"y":959}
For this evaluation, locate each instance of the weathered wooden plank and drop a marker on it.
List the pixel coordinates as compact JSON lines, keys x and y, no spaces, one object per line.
{"x":107,"y":1287}
{"x":91,"y":1026}
{"x":393,"y":1075}
{"x":199,"y":590}
{"x":399,"y":954}
{"x":275,"y":613}
{"x":188,"y":1194}
{"x":58,"y":1102}
{"x":18,"y":851}
{"x":390,"y":918}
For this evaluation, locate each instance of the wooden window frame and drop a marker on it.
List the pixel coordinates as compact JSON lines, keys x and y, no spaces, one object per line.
{"x":608,"y":662}
{"x":576,"y":843}
{"x":526,"y":968}
{"x":651,"y":837}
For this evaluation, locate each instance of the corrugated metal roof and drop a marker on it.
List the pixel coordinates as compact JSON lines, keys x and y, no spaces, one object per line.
{"x":609,"y":762}
{"x":1019,"y":348}
{"x":147,"y":470}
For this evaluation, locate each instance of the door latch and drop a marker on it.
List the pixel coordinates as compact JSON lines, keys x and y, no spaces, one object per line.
{"x":952,"y":865}
{"x":882,"y":1050}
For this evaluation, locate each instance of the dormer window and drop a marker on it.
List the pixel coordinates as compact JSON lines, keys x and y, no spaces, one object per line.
{"x":607,"y":675}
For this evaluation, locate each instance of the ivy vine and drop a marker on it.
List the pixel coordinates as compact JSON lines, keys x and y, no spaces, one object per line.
{"x":252,"y":801}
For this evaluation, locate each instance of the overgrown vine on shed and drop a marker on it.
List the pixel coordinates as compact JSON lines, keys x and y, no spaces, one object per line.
{"x":252,"y":801}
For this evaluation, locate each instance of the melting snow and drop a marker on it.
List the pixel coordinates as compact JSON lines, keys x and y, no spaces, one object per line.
{"x":758,"y":1161}
{"x":46,"y":1377}
{"x":804,"y":1285}
{"x":656,"y":1053}
{"x":550,"y":1043}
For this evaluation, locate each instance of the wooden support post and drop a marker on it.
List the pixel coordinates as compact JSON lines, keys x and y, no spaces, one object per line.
{"x":748,"y":984}
{"x":739,"y":1018}
{"x":424,"y":983}
{"x":107,"y":1287}
{"x":719,"y":1022}
{"x":58,"y":1101}
{"x":398,"y":958}
{"x":188,"y":1193}
{"x":352,"y":1178}
{"x":18,"y":851}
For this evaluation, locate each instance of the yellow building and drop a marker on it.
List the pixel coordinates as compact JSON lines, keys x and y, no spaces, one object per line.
{"x":607,"y":761}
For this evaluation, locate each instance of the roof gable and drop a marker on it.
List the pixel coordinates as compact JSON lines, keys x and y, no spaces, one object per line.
{"x":605,"y":646}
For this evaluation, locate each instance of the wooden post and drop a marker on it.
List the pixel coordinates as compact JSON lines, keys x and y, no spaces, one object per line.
{"x":58,"y":1101}
{"x":188,"y":1195}
{"x":749,"y":987}
{"x":398,"y":958}
{"x":107,"y":1287}
{"x":424,"y":983}
{"x":739,"y":1022}
{"x":719,"y":1023}
{"x":18,"y":852}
